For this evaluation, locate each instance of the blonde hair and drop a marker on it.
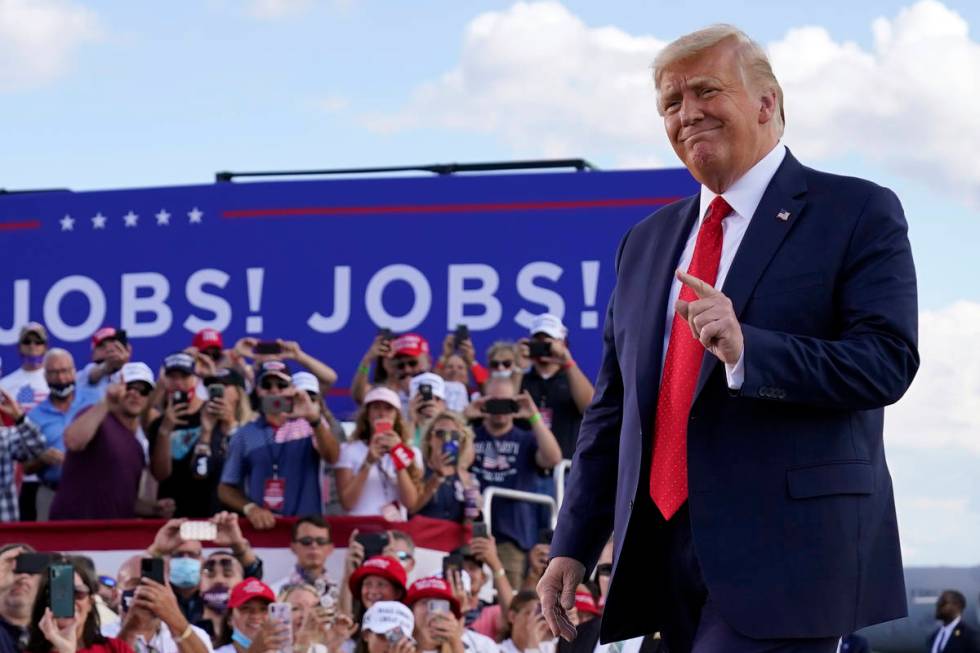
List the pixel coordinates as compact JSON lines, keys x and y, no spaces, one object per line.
{"x":465,"y":435}
{"x":753,"y":62}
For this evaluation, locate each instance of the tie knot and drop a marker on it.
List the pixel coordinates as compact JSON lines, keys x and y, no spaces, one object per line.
{"x":718,"y":210}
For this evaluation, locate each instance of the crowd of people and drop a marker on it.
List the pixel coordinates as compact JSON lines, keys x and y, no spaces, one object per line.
{"x":197,"y":603}
{"x":244,"y":428}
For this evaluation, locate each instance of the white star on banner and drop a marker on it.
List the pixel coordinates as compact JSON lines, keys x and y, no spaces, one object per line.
{"x":195,"y":215}
{"x":67,"y":223}
{"x":98,"y":222}
{"x":130,"y":219}
{"x":163,"y":218}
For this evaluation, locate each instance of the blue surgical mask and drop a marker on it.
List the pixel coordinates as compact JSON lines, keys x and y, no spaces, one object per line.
{"x":185,"y":572}
{"x":239,"y":638}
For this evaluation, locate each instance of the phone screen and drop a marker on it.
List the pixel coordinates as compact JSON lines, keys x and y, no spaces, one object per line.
{"x":500,"y":406}
{"x":267,"y":348}
{"x":374,"y":543}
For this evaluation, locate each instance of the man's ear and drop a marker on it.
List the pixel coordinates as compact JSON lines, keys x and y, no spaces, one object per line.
{"x":768,"y":106}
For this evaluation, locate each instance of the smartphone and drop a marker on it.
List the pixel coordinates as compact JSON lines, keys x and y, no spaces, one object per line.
{"x":179,"y":397}
{"x":267,"y":348}
{"x":32,"y":563}
{"x":282,"y":614}
{"x":386,"y":333}
{"x":121,"y":336}
{"x":198,"y":530}
{"x":451,"y":448}
{"x":216,"y":391}
{"x":394,"y":635}
{"x":374,"y":543}
{"x":480,"y":529}
{"x":500,"y":407}
{"x":451,"y":563}
{"x":152,"y":568}
{"x":539,"y":348}
{"x":425,"y":390}
{"x":277,"y":405}
{"x":61,"y":591}
{"x":126,"y":599}
{"x":438,"y":606}
{"x":383,"y":426}
{"x":545,"y":535}
{"x":461,"y":334}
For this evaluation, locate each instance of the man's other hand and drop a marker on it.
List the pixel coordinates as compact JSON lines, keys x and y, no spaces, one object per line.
{"x":556,"y":591}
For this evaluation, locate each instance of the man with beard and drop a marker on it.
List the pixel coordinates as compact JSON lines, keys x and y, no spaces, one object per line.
{"x":16,"y":598}
{"x":52,"y":416}
{"x":220,"y":572}
{"x":101,"y":474}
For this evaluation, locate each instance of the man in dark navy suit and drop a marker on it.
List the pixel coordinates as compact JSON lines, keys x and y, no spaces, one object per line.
{"x":734,"y":444}
{"x":953,"y":636}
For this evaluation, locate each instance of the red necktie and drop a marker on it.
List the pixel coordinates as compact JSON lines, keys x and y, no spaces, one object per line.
{"x":668,"y":469}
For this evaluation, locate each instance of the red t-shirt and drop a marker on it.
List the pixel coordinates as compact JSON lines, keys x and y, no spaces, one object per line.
{"x":111,"y":645}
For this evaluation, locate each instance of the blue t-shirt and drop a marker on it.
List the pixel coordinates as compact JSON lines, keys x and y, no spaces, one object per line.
{"x":257,"y":448}
{"x":507,"y":461}
{"x":53,"y":423}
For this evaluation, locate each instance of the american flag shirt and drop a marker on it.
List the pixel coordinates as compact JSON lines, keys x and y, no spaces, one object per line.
{"x":22,"y":442}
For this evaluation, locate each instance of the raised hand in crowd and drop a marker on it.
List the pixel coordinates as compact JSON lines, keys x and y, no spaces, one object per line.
{"x":380,"y":350}
{"x":484,"y":549}
{"x":338,"y":632}
{"x":159,"y":600}
{"x":353,"y":559}
{"x":10,"y":407}
{"x":525,"y":405}
{"x":444,"y":628}
{"x":537,"y":562}
{"x":273,"y":636}
{"x":63,"y":639}
{"x":229,"y":534}
{"x":167,"y":539}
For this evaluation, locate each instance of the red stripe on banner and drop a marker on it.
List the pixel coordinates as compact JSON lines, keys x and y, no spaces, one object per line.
{"x":448,"y":208}
{"x":18,"y":226}
{"x":136,"y":534}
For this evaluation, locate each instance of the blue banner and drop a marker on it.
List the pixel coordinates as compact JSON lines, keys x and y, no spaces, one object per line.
{"x":324,"y":262}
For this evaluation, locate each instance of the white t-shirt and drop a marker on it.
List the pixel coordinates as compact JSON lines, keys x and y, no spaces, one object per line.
{"x":28,"y":388}
{"x":457,"y":396}
{"x":162,"y":641}
{"x":381,"y":486}
{"x":548,"y":646}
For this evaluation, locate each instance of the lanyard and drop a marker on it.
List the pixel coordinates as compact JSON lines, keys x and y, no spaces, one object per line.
{"x":273,"y":450}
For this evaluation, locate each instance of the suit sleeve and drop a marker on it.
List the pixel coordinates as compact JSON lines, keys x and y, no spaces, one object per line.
{"x":589,"y":507}
{"x":872,"y":361}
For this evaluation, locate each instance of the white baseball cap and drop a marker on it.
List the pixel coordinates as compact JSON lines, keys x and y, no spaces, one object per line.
{"x":306,"y":382}
{"x":386,"y":615}
{"x":384,"y":395}
{"x":432,"y":379}
{"x":135,"y":372}
{"x":549,"y":324}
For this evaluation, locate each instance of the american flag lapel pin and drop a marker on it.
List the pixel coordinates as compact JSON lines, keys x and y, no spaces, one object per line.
{"x":783,"y":215}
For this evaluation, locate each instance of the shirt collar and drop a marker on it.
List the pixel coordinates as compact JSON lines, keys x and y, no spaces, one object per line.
{"x":953,"y":624}
{"x":746,"y":193}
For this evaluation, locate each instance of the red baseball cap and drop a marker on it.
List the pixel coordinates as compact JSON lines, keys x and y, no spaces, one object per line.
{"x":432,"y":587}
{"x":385,"y":566}
{"x":107,"y":333}
{"x":207,"y":338}
{"x":585,"y":602}
{"x":248,"y":589}
{"x":410,"y":344}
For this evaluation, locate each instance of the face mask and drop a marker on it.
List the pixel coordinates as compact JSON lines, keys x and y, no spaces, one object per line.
{"x":216,"y":598}
{"x":239,"y":638}
{"x":502,"y":374}
{"x":61,"y":390}
{"x":31,"y":360}
{"x":185,"y":572}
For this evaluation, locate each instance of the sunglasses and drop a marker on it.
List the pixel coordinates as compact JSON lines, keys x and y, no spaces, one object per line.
{"x":31,"y":341}
{"x":269,"y":384}
{"x":505,"y":365}
{"x":139,"y":387}
{"x":408,"y":364}
{"x":309,"y":541}
{"x":227,"y":566}
{"x":82,"y":593}
{"x":447,"y":435}
{"x":403,"y":555}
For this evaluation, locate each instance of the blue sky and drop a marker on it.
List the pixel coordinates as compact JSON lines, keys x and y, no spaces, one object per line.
{"x":109,"y":94}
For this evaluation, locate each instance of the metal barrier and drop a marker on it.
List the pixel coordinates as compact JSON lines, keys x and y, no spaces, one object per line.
{"x":517,"y":495}
{"x":560,"y":473}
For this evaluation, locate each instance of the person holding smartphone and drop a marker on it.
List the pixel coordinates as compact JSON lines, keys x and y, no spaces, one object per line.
{"x":507,"y":456}
{"x":447,"y":449}
{"x":379,"y":471}
{"x":438,"y":620}
{"x":273,"y":463}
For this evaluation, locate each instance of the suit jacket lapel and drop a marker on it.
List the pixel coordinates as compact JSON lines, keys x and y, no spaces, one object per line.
{"x":670,"y":235}
{"x":766,"y":231}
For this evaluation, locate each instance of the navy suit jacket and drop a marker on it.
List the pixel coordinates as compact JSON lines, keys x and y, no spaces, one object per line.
{"x":790,"y":500}
{"x":963,"y":639}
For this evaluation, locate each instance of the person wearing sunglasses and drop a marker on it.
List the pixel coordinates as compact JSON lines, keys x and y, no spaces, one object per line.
{"x":273,"y":464}
{"x":447,"y":449}
{"x":29,"y":386}
{"x":220,"y":572}
{"x":104,"y":461}
{"x":503,"y":363}
{"x":311,"y":546}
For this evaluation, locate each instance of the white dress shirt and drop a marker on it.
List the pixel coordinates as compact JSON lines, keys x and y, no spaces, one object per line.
{"x":942,"y":637}
{"x":744,"y":197}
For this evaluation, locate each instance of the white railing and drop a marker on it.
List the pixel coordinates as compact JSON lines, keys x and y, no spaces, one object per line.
{"x":561,"y":473}
{"x":517,"y":495}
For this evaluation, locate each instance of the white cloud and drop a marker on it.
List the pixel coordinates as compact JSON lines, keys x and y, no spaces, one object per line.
{"x":942,"y":408}
{"x":272,"y":9}
{"x":38,"y":39}
{"x":548,"y":84}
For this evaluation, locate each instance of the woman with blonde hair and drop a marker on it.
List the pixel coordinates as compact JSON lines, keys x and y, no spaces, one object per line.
{"x":447,"y":449}
{"x":379,"y":472}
